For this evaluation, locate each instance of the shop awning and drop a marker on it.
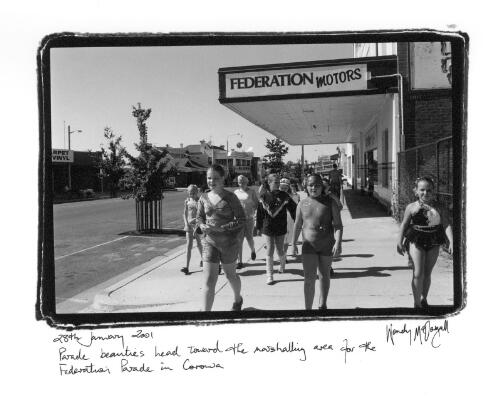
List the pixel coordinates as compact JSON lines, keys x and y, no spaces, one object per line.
{"x":327,"y":120}
{"x":320,"y":102}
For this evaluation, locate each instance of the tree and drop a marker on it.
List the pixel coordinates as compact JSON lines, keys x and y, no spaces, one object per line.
{"x":146,"y":173}
{"x":112,"y":160}
{"x":141,"y":115}
{"x":274,"y":160}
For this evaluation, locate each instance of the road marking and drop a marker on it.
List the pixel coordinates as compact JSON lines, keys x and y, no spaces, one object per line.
{"x":92,"y":247}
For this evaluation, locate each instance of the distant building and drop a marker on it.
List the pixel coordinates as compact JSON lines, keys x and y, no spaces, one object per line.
{"x":240,"y":163}
{"x":76,"y":169}
{"x":192,"y":161}
{"x":188,"y":165}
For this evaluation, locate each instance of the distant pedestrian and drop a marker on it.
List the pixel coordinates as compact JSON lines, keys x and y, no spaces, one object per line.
{"x":189,"y":216}
{"x":301,"y":189}
{"x":249,"y":200}
{"x":336,"y":181}
{"x":319,"y":219}
{"x":271,"y":221}
{"x":286,"y":186}
{"x":423,"y":229}
{"x":327,"y":191}
{"x":221,"y":218}
{"x":370,"y":185}
{"x":263,"y":187}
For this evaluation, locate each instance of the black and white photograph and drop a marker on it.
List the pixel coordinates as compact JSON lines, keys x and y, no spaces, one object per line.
{"x":253,"y":176}
{"x":249,"y":197}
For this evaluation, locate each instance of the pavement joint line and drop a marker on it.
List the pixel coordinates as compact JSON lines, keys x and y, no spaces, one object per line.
{"x":92,"y":247}
{"x":124,"y":282}
{"x":150,"y":237}
{"x":145,"y":271}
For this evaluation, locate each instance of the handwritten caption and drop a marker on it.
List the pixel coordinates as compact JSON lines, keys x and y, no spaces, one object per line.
{"x":139,"y":351}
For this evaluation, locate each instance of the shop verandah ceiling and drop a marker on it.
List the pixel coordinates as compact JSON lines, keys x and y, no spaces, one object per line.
{"x":317,"y":102}
{"x":327,"y":120}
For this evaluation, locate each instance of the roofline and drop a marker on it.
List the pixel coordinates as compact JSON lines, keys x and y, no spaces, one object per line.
{"x":307,"y":96}
{"x":298,"y":65}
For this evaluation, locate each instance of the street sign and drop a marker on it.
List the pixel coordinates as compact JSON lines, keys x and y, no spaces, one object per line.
{"x":66,"y":156}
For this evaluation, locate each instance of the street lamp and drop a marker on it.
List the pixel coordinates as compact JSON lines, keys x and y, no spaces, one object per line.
{"x":69,"y":149}
{"x":227,"y":149}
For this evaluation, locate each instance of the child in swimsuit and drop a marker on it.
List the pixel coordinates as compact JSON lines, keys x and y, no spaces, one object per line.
{"x":286,"y":186}
{"x":220,"y":218}
{"x":271,"y":221}
{"x":425,"y":228}
{"x":190,"y":209}
{"x":319,"y":218}
{"x":249,"y":200}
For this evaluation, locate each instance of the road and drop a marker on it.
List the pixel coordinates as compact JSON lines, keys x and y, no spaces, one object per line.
{"x":91,"y":244}
{"x":80,"y":225}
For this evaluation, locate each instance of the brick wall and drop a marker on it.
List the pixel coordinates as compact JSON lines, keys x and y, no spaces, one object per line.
{"x":427,"y":113}
{"x":432,"y":119}
{"x":427,"y":118}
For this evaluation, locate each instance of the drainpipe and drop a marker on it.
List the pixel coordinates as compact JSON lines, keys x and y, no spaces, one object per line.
{"x":400,"y":96}
{"x":395,"y":203}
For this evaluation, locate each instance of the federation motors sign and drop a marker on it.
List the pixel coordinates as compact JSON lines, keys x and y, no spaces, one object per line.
{"x":297,"y":81}
{"x":62,"y":155}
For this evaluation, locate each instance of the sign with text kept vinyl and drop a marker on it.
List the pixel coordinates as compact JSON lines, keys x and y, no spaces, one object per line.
{"x":62,"y":155}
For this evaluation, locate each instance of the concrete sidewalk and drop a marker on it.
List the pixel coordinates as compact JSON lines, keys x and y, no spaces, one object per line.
{"x":369,"y":274}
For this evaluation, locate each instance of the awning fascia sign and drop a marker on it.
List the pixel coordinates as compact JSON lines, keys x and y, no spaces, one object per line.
{"x":296,"y":81}
{"x":341,"y":77}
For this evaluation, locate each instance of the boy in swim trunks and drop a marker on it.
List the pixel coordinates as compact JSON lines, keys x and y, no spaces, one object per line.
{"x":319,"y":218}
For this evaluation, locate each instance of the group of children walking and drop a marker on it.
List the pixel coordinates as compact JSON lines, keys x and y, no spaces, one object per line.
{"x":220,"y":221}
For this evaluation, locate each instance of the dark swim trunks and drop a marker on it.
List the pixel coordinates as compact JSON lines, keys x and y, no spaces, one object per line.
{"x":324,"y":248}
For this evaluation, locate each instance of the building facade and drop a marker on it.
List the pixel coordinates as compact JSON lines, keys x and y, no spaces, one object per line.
{"x":389,"y":106}
{"x":192,"y":161}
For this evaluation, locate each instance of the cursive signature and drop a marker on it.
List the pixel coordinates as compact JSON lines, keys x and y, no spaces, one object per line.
{"x":426,"y":333}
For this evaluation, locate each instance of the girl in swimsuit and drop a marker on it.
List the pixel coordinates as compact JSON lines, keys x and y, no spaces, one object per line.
{"x":249,"y":200}
{"x":319,"y":218}
{"x":286,"y":186}
{"x":221,"y":219}
{"x":190,"y":209}
{"x":425,"y":229}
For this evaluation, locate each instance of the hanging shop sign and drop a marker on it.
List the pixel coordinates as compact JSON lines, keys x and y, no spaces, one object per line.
{"x":296,"y":81}
{"x":62,"y":155}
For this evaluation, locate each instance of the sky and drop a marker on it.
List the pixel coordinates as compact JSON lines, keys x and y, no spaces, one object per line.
{"x":92,"y":88}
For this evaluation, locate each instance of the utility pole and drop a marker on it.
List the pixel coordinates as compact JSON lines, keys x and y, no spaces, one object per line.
{"x":69,"y":163}
{"x":302,"y":161}
{"x":69,"y":149}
